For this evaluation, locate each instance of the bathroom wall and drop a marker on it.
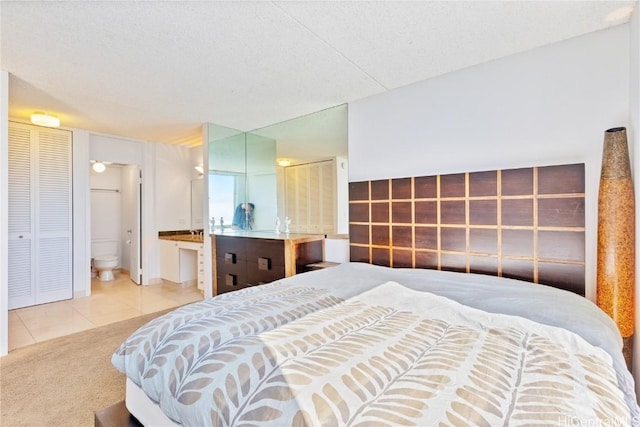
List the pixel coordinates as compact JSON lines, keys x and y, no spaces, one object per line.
{"x":197,"y":188}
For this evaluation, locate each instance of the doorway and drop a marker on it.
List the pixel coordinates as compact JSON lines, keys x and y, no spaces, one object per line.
{"x":116,"y":192}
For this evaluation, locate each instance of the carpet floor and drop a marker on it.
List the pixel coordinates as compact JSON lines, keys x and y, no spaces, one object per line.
{"x":62,"y":382}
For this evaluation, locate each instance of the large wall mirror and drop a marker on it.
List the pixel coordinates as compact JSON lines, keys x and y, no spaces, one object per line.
{"x":295,"y":171}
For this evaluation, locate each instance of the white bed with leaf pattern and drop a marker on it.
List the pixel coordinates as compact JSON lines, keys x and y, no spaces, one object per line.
{"x":359,"y":344}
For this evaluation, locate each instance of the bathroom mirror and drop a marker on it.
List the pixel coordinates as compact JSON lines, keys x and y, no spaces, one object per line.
{"x":312,"y":190}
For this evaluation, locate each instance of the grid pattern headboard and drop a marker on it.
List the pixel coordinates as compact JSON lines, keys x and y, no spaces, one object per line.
{"x":521,"y":223}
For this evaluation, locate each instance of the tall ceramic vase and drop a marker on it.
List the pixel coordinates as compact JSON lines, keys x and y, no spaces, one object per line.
{"x":616,"y":237}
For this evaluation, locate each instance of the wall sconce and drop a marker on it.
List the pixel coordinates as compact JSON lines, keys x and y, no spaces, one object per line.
{"x":44,"y":119}
{"x":199,"y":169}
{"x":284,"y":163}
{"x":99,"y":167}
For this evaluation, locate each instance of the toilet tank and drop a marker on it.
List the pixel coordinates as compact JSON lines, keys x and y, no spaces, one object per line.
{"x":104,"y":247}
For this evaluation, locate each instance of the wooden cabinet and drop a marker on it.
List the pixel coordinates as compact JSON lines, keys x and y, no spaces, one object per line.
{"x":254,"y":258}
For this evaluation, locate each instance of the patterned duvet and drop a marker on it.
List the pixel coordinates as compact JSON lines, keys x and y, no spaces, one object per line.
{"x":390,"y":355}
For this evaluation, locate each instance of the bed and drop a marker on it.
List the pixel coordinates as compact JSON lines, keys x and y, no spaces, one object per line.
{"x":393,"y":338}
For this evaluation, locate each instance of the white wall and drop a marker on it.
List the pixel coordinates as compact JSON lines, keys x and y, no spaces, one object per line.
{"x":114,"y":149}
{"x":173,"y":187}
{"x":4,"y":213}
{"x":81,"y":214}
{"x":548,"y":105}
{"x":197,"y":159}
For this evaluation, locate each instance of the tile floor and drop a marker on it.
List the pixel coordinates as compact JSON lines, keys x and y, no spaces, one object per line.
{"x":109,"y":302}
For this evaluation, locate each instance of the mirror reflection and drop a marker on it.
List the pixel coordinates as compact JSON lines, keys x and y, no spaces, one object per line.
{"x":292,"y":173}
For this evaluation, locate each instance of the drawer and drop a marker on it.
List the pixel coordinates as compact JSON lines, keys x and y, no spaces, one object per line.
{"x":232,"y":279}
{"x":265,"y":248}
{"x":227,"y":258}
{"x":232,"y":245}
{"x":256,"y":276}
{"x":239,"y":269}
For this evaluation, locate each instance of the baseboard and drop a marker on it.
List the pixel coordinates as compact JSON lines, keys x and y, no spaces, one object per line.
{"x":188,"y":283}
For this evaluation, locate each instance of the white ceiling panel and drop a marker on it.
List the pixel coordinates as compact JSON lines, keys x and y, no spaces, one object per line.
{"x":399,"y":43}
{"x":158,"y":70}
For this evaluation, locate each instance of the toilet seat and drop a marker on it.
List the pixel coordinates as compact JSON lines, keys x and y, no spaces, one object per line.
{"x":105,"y":264}
{"x":106,"y":258}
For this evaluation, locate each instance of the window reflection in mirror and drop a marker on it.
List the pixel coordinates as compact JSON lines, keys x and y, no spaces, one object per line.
{"x":227,"y":174}
{"x":225,"y":190}
{"x":311,"y":191}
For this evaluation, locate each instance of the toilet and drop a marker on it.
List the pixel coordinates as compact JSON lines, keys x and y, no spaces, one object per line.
{"x":105,"y":257}
{"x":105,"y":265}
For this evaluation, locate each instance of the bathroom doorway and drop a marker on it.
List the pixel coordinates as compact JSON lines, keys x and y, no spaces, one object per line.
{"x":116,"y":192}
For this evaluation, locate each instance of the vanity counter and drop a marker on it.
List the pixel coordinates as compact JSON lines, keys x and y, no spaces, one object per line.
{"x":296,"y":237}
{"x":183,"y":238}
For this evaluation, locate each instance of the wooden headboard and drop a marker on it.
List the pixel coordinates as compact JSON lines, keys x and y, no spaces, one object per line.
{"x":521,"y":223}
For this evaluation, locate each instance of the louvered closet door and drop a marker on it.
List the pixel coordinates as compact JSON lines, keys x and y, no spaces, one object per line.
{"x":40,"y":232}
{"x":300,"y":222}
{"x":53,"y":221}
{"x":327,"y":194}
{"x":291,"y":199}
{"x":315,"y":209}
{"x":20,"y":221}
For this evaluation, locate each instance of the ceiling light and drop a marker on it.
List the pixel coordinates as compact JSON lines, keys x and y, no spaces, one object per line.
{"x":622,"y":13}
{"x":199,"y":169}
{"x":44,"y":119}
{"x":99,"y":167}
{"x":284,"y":163}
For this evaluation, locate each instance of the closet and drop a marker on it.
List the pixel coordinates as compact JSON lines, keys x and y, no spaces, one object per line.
{"x":39,"y":215}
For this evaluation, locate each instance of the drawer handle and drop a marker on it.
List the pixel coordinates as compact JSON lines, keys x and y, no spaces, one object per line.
{"x":229,"y":258}
{"x":264,"y":264}
{"x":231,"y":280}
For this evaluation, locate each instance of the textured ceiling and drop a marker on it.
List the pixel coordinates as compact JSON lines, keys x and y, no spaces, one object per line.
{"x":157,"y":70}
